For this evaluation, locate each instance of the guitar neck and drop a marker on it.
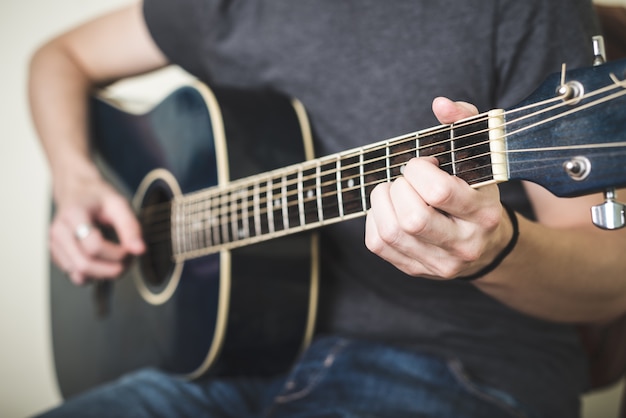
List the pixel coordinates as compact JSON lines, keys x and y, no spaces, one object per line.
{"x":330,"y":189}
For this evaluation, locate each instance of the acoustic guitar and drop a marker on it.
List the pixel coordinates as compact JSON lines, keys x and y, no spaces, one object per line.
{"x":229,"y":194}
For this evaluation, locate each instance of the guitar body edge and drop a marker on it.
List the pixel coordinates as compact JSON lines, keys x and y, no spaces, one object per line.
{"x":246,"y":311}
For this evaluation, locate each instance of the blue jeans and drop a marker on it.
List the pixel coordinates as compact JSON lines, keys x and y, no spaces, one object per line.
{"x":335,"y":377}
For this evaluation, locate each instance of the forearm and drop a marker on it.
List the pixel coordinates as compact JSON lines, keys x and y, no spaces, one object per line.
{"x":58,"y":90}
{"x":569,"y":275}
{"x":65,"y":70}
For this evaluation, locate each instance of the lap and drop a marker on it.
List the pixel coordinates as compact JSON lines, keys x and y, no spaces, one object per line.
{"x":154,"y":394}
{"x":335,"y":377}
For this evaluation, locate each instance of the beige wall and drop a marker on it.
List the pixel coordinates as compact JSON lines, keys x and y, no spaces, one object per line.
{"x":27,"y":381}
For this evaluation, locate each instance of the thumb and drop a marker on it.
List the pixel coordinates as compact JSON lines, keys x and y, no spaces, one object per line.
{"x":448,"y":111}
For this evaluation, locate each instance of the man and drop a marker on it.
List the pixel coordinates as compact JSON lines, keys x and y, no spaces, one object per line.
{"x":402,"y":337}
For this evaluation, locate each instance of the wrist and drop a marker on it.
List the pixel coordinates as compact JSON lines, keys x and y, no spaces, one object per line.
{"x":510,"y":246}
{"x":73,"y":176}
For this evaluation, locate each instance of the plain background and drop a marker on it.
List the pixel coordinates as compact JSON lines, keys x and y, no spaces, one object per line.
{"x":27,"y":380}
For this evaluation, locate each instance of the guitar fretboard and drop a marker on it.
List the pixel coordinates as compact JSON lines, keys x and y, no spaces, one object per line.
{"x":330,"y":189}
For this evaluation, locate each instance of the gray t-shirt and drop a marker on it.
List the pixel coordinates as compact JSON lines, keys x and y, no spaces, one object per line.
{"x":366,"y":71}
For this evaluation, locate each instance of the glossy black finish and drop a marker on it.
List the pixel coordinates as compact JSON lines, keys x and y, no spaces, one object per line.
{"x":102,"y":331}
{"x":604,"y":123}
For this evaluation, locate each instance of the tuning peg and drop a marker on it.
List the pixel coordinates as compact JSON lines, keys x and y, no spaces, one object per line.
{"x":610,"y":214}
{"x":599,"y":51}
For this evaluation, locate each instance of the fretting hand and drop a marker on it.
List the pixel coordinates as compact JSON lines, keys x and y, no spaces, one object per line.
{"x":431,"y":224}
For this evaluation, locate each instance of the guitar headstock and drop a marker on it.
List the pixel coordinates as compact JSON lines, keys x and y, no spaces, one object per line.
{"x":569,"y":136}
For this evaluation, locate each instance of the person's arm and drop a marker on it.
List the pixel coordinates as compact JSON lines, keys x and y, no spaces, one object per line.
{"x":63,"y":72}
{"x":566,"y":268}
{"x":434,"y":225}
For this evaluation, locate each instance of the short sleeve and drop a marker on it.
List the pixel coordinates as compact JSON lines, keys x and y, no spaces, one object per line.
{"x":534,"y":41}
{"x":175,"y":27}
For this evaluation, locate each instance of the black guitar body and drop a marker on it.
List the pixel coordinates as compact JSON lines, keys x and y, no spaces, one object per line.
{"x":248,"y":310}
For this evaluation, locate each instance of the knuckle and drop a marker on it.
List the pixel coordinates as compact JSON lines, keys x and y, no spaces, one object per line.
{"x":438,"y":196}
{"x":414,"y":224}
{"x":492,"y":218}
{"x":81,"y":265}
{"x":91,"y":250}
{"x":93,"y":245}
{"x":117,"y":202}
{"x":449,"y":270}
{"x":389,"y":233}
{"x":470,"y":253}
{"x":374,"y":243}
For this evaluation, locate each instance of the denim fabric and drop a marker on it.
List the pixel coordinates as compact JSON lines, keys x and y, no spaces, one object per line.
{"x":336,"y":377}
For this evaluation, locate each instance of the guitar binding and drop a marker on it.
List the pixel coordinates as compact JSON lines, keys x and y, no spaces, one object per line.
{"x":159,"y":273}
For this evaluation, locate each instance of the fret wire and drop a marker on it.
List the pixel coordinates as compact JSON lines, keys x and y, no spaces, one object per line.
{"x":417,"y":145}
{"x":180,"y":226}
{"x":224,"y":218}
{"x":452,"y":151}
{"x":387,"y":161}
{"x":244,"y":211}
{"x":185,"y":221}
{"x":195,"y":238}
{"x":188,"y":231}
{"x":283,"y":190}
{"x":194,"y":226}
{"x":200,"y":225}
{"x":339,"y":196}
{"x":257,"y":209}
{"x":224,"y":222}
{"x":270,"y":206}
{"x":318,"y":187}
{"x":362,"y":180}
{"x":208,"y":213}
{"x":301,"y":197}
{"x":186,"y":226}
{"x":233,"y":215}
{"x":216,"y":221}
{"x":175,"y":218}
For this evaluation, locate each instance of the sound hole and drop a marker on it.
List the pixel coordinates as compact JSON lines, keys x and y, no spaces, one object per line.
{"x":155,"y":216}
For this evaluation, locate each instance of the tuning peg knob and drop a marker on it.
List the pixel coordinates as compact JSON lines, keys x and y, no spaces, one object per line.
{"x":599,"y":51}
{"x":610,"y":214}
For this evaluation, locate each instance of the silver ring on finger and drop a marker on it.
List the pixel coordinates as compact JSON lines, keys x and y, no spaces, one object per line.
{"x":82,"y":231}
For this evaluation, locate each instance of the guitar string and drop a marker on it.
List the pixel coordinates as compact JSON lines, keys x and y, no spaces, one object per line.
{"x":294,"y":218}
{"x":227,"y":218}
{"x":379,"y":146}
{"x":211,"y":192}
{"x":355,"y":154}
{"x":228,"y":210}
{"x":410,"y":137}
{"x":200,"y":242}
{"x":471,"y":121}
{"x":227,"y":233}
